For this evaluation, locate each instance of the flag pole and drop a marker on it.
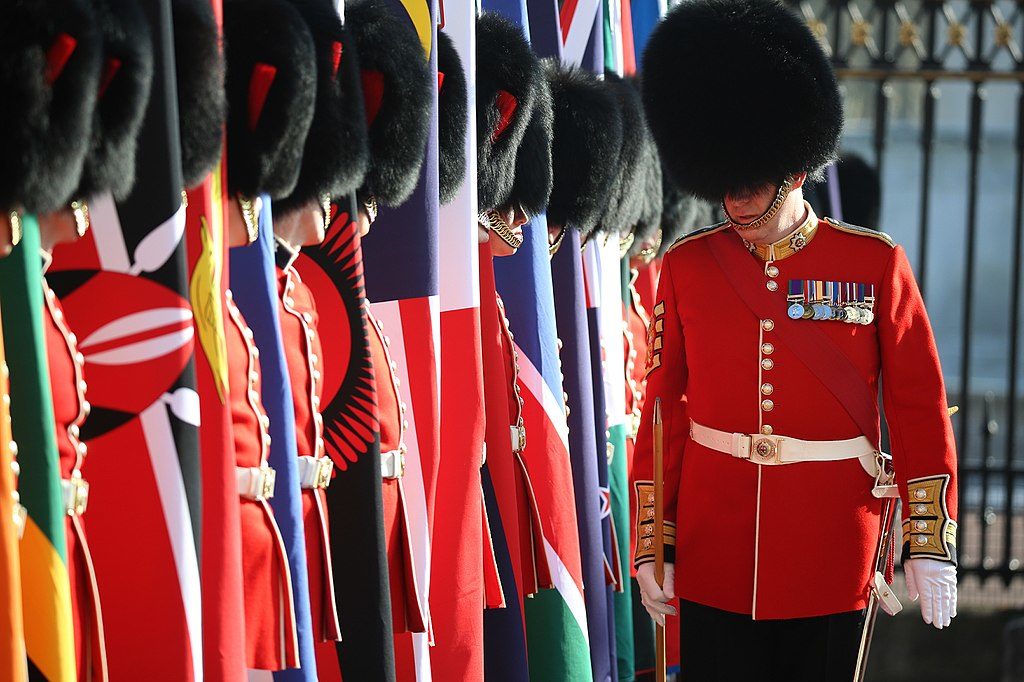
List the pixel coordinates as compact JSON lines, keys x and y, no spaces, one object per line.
{"x":659,"y":544}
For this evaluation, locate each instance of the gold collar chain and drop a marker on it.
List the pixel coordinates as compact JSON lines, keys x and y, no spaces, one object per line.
{"x":790,"y":244}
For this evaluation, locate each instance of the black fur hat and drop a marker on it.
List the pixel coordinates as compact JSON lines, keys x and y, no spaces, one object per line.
{"x":587,"y":141}
{"x":334,"y":158}
{"x":650,"y":211}
{"x":202,"y":105}
{"x":50,"y":56}
{"x":626,"y":198}
{"x":125,"y":82}
{"x":507,"y":74}
{"x":271,"y":85}
{"x":452,"y":110}
{"x":531,"y":188}
{"x":398,"y":96}
{"x":761,"y":100}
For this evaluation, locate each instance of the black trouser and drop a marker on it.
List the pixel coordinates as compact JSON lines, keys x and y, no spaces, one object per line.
{"x":719,"y":646}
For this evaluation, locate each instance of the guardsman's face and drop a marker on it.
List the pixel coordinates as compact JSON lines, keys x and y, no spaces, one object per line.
{"x":6,"y":234}
{"x":302,"y":227}
{"x":58,"y":227}
{"x":364,"y":222}
{"x":750,"y":205}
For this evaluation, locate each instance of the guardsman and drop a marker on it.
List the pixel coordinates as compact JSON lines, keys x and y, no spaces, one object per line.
{"x":397,"y":90}
{"x":768,"y":341}
{"x":122,"y":94}
{"x":333,"y":163}
{"x":271,"y":90}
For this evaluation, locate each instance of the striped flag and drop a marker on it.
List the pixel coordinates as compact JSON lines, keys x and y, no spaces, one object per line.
{"x":457,"y":603}
{"x":46,"y":591}
{"x":12,"y":631}
{"x":334,"y":273}
{"x":254,"y":286}
{"x":400,"y":256}
{"x":221,"y":557}
{"x":143,"y":465}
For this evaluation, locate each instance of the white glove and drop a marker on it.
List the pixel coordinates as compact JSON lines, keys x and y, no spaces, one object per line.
{"x":935,"y":582}
{"x":654,"y":596}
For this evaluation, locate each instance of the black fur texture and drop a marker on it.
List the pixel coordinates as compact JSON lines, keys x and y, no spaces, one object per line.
{"x":267,"y":159}
{"x":532,"y":186}
{"x":626,"y":198}
{"x":334,"y":158}
{"x":44,"y":129}
{"x":587,"y":142}
{"x":739,"y":93}
{"x":202,"y":105}
{"x":504,"y":62}
{"x":650,"y":211}
{"x":387,"y":43}
{"x":117,"y":120}
{"x":452,"y":113}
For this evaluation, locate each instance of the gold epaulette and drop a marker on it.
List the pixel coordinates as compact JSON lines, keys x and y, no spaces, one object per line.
{"x":697,"y":234}
{"x":862,"y":231}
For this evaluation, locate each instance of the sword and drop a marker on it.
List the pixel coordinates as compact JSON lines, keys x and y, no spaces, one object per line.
{"x":659,"y":544}
{"x":881,"y":561}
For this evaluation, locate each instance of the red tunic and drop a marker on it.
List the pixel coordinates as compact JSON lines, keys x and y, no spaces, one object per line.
{"x":270,"y":633}
{"x":407,"y":614}
{"x":634,"y":337}
{"x":305,"y":365}
{"x":799,"y":539}
{"x":70,"y":408}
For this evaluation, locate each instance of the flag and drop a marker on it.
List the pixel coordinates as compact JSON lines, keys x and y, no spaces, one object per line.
{"x":334,"y":272}
{"x":46,"y":590}
{"x":143,"y":465}
{"x":12,"y":632}
{"x":254,"y":289}
{"x":221,"y":557}
{"x":457,"y":552}
{"x":400,"y":256}
{"x":644,"y":16}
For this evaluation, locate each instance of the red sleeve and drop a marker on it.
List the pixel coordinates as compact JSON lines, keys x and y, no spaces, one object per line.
{"x":666,"y":379}
{"x":921,"y":434}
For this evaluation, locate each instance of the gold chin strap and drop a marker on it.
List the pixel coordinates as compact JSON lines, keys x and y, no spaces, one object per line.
{"x":625,"y":243}
{"x":780,"y":198}
{"x":81,"y":210}
{"x":370,"y":204}
{"x":493,"y":221}
{"x":252,"y":226}
{"x":325,"y":206}
{"x":647,"y":254}
{"x":16,"y":229}
{"x":553,"y":248}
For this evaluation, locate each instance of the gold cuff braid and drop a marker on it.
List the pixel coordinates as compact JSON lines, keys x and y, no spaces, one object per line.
{"x":645,"y":531}
{"x":928,"y":532}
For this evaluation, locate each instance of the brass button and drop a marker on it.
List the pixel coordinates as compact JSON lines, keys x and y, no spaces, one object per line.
{"x":307,"y":318}
{"x":79,"y":358}
{"x":767,"y":429}
{"x":767,"y":389}
{"x":920,"y":509}
{"x":921,"y":525}
{"x":82,"y":386}
{"x":767,"y":348}
{"x":314,"y":359}
{"x":772,"y":271}
{"x":921,"y":539}
{"x":266,"y":439}
{"x":254,"y":376}
{"x":767,"y":363}
{"x":920,"y":494}
{"x":767,"y":405}
{"x":767,"y":325}
{"x":289,"y":301}
{"x":772,"y":285}
{"x":247,"y":333}
{"x":74,"y":431}
{"x":73,"y":339}
{"x":82,"y":448}
{"x":86,"y":407}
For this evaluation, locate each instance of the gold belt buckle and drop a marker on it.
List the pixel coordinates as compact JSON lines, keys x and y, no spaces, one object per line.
{"x":764,"y":449}
{"x":323,"y":473}
{"x":266,"y":483}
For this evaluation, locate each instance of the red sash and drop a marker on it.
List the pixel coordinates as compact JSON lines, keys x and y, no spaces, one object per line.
{"x":815,"y":349}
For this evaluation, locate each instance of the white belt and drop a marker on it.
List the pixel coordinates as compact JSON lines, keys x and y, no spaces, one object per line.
{"x":315,"y":472}
{"x":76,"y":495}
{"x":392,"y":463}
{"x":518,"y":437}
{"x":779,"y":450}
{"x":256,"y":483}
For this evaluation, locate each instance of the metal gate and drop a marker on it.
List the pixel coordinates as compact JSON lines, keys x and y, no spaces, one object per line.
{"x":935,"y":97}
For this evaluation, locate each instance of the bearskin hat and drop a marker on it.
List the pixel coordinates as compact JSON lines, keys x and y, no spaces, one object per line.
{"x":680,"y":213}
{"x":770,"y":100}
{"x":507,"y":81}
{"x":452,"y":113}
{"x":50,"y":56}
{"x":625,"y":200}
{"x":650,"y":210}
{"x":271,"y":84}
{"x":126,"y":79}
{"x":398,"y":95}
{"x":586,"y":146}
{"x":202,"y":105}
{"x":334,"y":155}
{"x":531,"y":187}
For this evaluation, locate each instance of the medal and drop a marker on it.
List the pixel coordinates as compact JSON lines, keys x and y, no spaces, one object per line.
{"x":869,"y":303}
{"x":808,"y":305}
{"x":796,"y":309}
{"x":820,"y":312}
